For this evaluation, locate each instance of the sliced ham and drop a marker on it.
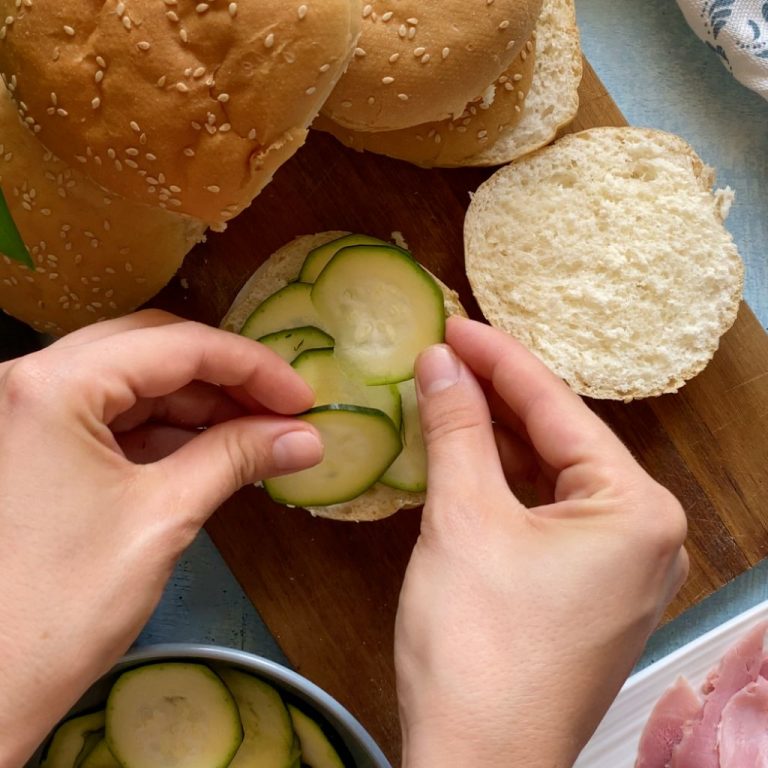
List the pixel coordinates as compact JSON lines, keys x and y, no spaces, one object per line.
{"x":743,"y":732}
{"x":740,"y":666}
{"x":664,"y":728}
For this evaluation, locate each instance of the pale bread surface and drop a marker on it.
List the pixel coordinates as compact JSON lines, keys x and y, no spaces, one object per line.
{"x":606,"y":255}
{"x":553,"y":98}
{"x":283,"y":266}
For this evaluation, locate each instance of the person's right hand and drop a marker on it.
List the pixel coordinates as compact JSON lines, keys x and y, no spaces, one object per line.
{"x":517,"y":626}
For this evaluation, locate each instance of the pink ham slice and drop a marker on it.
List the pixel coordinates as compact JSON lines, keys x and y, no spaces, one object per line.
{"x":664,"y":728}
{"x":739,"y":667}
{"x":743,"y":733}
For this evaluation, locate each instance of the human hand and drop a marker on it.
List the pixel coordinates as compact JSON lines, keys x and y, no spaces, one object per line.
{"x":106,"y":477}
{"x":517,"y":626}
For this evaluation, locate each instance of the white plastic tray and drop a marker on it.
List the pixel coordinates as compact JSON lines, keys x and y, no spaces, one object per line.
{"x":614,"y":744}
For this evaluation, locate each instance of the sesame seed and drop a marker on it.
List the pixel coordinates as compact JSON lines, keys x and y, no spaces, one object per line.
{"x":324,"y":68}
{"x":232,"y":8}
{"x":62,"y":112}
{"x":69,"y":30}
{"x":224,"y":127}
{"x":412,"y":21}
{"x":402,"y":96}
{"x":182,"y":87}
{"x":387,"y":16}
{"x":523,"y":55}
{"x":402,"y":31}
{"x":143,"y":45}
{"x":346,"y":104}
{"x":54,"y":100}
{"x":98,"y":75}
{"x":172,"y":16}
{"x":161,"y":81}
{"x":201,"y":7}
{"x":132,"y":152}
{"x":517,"y":77}
{"x":302,"y":11}
{"x":371,"y":100}
{"x":223,"y":97}
{"x":419,"y":52}
{"x":504,"y":24}
{"x":367,"y":11}
{"x":387,"y":80}
{"x":252,"y":134}
{"x":111,"y":154}
{"x":529,"y":46}
{"x":183,"y":35}
{"x":394,"y":57}
{"x":359,"y":52}
{"x":100,"y":61}
{"x":425,"y":58}
{"x":199,"y":72}
{"x":95,"y":102}
{"x":269,"y":40}
{"x":189,"y":152}
{"x":135,"y":126}
{"x":311,"y":90}
{"x":509,"y":87}
{"x":213,"y":188}
{"x":127,"y":23}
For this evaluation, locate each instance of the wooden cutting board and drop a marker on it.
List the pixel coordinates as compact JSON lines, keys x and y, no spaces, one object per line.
{"x":328,"y":591}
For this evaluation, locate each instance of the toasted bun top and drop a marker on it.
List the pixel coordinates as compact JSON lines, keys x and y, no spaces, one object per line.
{"x":96,"y":255}
{"x":179,"y":104}
{"x":419,"y":61}
{"x":457,"y":141}
{"x":283,"y":266}
{"x":606,"y":255}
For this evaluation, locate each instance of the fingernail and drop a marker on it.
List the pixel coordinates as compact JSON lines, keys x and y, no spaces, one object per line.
{"x":296,"y":450}
{"x":438,"y":369}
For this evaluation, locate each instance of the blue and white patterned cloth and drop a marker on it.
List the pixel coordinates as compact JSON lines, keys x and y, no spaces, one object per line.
{"x":737,"y":30}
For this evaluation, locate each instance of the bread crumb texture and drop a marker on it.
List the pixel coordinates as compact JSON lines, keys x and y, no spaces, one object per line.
{"x":606,"y":255}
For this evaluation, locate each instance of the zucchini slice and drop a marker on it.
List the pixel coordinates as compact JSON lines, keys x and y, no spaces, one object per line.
{"x":320,"y":369}
{"x":70,"y":740}
{"x":290,"y":343}
{"x":316,"y":750}
{"x":382,"y":308}
{"x":269,"y":740}
{"x":172,"y":715}
{"x":318,"y":257}
{"x":360,"y":443}
{"x":100,"y":757}
{"x":290,"y":307}
{"x":408,"y":471}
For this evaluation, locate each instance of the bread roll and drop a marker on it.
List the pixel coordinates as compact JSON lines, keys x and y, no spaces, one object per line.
{"x":606,"y":255}
{"x":451,"y":142}
{"x":189,"y":106}
{"x":379,"y":501}
{"x":534,"y":98}
{"x":419,"y":61}
{"x":95,"y":254}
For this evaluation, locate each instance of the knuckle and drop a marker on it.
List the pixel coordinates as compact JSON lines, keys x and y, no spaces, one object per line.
{"x":247,"y":458}
{"x":666,"y":527}
{"x":454,"y":419}
{"x":25,"y":380}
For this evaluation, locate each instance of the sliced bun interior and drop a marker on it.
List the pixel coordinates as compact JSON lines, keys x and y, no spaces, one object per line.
{"x":379,"y":501}
{"x":189,"y":106}
{"x":96,"y":255}
{"x":606,"y":255}
{"x":423,"y":61}
{"x":521,"y":112}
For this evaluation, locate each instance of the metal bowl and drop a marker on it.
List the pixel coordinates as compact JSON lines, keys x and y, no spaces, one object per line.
{"x":356,"y":747}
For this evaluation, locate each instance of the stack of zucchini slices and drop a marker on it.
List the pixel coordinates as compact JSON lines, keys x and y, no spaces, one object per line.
{"x":352,"y":323}
{"x":187,"y":715}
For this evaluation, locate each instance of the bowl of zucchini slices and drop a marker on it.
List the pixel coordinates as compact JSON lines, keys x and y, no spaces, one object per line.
{"x":198,"y":706}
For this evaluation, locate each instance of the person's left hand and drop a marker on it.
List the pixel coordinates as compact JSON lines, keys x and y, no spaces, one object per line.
{"x":106,"y":476}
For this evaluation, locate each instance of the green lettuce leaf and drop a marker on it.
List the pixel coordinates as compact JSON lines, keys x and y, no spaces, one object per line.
{"x":11,"y":243}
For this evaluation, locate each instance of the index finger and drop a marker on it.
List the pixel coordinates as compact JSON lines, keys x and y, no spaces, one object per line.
{"x":112,"y":373}
{"x":562,"y":429}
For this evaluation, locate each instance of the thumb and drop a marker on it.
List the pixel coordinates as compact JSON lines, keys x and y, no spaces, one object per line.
{"x":462,"y":458}
{"x":208,"y":469}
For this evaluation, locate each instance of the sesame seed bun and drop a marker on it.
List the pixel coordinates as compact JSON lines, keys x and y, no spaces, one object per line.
{"x":451,"y":142}
{"x":534,"y":98}
{"x":187,"y":106}
{"x":379,"y":501}
{"x":96,"y":255}
{"x":419,"y":61}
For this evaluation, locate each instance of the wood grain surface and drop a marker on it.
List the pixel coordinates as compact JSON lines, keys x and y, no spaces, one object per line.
{"x":328,"y":591}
